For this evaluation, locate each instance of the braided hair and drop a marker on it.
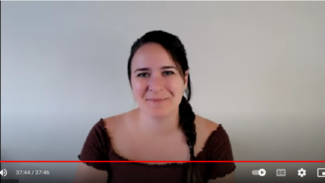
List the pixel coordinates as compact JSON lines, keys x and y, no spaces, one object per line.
{"x":174,"y":46}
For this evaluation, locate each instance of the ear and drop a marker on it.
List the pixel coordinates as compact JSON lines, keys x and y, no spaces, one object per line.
{"x":186,"y":78}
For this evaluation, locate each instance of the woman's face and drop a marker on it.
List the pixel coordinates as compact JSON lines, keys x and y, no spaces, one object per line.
{"x":157,"y":85}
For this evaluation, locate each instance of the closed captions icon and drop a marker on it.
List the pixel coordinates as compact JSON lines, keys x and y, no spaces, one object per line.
{"x":281,"y":172}
{"x":3,"y":172}
{"x":261,"y":172}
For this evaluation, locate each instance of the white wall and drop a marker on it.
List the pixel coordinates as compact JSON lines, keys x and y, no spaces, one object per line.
{"x":258,"y":68}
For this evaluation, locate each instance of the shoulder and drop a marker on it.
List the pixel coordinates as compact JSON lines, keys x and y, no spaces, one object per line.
{"x":99,"y":134}
{"x":214,"y":136}
{"x":118,"y":121}
{"x":206,"y":123}
{"x":112,"y":121}
{"x":205,"y":126}
{"x":217,"y":148}
{"x":209,"y":127}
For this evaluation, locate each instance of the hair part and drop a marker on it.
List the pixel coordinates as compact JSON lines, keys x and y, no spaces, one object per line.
{"x":176,"y":49}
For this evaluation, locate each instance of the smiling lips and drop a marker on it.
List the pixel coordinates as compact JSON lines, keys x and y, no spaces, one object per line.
{"x":156,"y":100}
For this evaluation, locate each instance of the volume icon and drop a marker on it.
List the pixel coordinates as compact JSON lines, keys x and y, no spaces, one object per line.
{"x":3,"y":172}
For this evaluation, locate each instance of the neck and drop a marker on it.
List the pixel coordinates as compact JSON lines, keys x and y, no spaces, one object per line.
{"x":158,"y":125}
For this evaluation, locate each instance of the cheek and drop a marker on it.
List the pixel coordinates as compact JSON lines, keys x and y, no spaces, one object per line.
{"x":175,"y":85}
{"x":138,"y":88}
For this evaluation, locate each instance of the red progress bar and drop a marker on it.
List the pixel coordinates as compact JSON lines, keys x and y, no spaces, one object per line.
{"x":162,"y":161}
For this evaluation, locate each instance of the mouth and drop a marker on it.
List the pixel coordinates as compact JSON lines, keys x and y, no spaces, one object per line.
{"x":156,"y":99}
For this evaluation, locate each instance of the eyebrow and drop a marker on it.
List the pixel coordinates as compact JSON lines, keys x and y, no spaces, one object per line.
{"x":147,"y":69}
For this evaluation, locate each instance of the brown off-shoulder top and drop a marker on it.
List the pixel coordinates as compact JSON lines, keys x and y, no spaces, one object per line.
{"x":97,"y":147}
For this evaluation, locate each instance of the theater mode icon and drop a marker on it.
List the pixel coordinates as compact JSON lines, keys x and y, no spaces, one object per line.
{"x":261,"y":172}
{"x":321,"y":172}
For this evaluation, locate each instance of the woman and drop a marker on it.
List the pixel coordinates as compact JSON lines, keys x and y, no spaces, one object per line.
{"x":162,"y":128}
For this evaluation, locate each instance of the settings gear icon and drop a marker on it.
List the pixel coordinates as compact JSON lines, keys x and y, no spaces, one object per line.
{"x":302,"y":172}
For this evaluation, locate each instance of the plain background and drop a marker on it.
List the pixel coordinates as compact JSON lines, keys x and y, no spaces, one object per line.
{"x":257,"y":68}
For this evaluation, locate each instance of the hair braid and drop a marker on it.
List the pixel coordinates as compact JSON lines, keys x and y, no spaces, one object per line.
{"x":187,"y":124}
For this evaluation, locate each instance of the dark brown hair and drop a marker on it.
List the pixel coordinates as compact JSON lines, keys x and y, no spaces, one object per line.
{"x":176,"y":49}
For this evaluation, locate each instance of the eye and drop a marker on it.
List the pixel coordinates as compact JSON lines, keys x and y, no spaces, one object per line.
{"x":168,"y":72}
{"x":144,"y":74}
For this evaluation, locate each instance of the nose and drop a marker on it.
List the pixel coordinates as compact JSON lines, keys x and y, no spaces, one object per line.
{"x":156,"y":83}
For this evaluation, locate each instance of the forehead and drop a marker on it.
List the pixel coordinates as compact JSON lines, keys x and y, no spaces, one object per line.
{"x":151,"y":55}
